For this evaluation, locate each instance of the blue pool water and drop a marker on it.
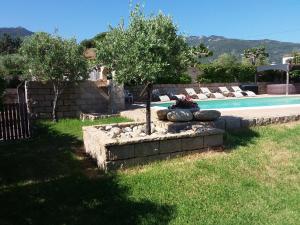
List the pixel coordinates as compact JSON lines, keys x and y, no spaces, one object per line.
{"x":242,"y":102}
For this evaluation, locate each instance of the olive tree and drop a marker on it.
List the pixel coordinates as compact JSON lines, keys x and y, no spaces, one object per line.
{"x":147,"y":49}
{"x":54,"y":59}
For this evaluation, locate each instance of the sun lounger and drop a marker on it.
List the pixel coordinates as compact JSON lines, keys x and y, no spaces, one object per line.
{"x":208,"y":93}
{"x":248,"y":93}
{"x":164,"y":98}
{"x":192,"y":93}
{"x":173,"y":96}
{"x":228,"y":93}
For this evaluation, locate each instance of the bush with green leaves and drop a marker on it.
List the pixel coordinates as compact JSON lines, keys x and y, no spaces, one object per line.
{"x":217,"y":73}
{"x":180,"y":79}
{"x":11,"y":65}
{"x":54,"y":59}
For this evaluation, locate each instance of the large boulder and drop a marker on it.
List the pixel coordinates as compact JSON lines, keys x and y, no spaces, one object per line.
{"x":180,"y":115}
{"x":207,"y":115}
{"x":162,"y":114}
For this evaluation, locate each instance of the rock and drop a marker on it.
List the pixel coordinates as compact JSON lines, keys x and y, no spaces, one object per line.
{"x":162,"y":114}
{"x":142,"y":128}
{"x":142,"y":135}
{"x":116,"y":130}
{"x":194,"y":109}
{"x":123,"y":136}
{"x":107,"y":128}
{"x":180,"y":115}
{"x":128,"y":135}
{"x":153,"y":129}
{"x":127,"y":129}
{"x":112,"y":135}
{"x":207,"y":115}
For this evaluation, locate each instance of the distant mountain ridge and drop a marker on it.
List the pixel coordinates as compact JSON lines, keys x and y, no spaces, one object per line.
{"x":220,"y":44}
{"x":15,"y":31}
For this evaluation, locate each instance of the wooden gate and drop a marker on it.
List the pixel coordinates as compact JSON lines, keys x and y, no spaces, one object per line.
{"x":14,"y":122}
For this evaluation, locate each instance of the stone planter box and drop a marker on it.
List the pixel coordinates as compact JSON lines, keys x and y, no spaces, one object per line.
{"x":112,"y":154}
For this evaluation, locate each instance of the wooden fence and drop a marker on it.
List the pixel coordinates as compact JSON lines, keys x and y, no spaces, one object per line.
{"x":14,"y":122}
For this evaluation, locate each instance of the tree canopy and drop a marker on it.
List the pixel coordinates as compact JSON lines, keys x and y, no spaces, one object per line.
{"x":145,"y":51}
{"x":227,"y":59}
{"x":9,"y":45}
{"x":149,"y":48}
{"x":196,"y":53}
{"x":256,"y":56}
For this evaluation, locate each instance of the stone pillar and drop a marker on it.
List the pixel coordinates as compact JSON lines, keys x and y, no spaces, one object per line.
{"x":116,"y":97}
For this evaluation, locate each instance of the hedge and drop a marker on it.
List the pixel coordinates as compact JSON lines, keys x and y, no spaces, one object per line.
{"x":215,"y":73}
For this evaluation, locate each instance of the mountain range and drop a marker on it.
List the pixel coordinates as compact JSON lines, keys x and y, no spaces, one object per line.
{"x":15,"y":31}
{"x":217,"y":44}
{"x":220,"y":44}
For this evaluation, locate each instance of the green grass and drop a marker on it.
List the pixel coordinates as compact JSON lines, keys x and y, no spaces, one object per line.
{"x":47,"y":180}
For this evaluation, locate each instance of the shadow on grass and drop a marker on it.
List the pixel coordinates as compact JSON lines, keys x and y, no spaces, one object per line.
{"x":239,"y":138}
{"x":43,"y":181}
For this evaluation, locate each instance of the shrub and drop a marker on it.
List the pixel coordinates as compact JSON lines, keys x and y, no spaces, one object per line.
{"x":216,"y":73}
{"x":171,"y":79}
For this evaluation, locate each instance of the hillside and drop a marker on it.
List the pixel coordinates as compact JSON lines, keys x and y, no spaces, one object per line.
{"x":15,"y":31}
{"x":219,"y":45}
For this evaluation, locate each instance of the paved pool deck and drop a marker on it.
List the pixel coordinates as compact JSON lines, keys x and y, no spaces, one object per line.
{"x":137,"y":112}
{"x":263,"y":112}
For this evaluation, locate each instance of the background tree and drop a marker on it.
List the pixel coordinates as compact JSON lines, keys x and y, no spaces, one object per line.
{"x":196,"y":53}
{"x":143,"y":52}
{"x":9,"y":45}
{"x":51,"y":58}
{"x":91,"y":43}
{"x":256,"y":56}
{"x":227,"y":60}
{"x":296,"y":57}
{"x":11,"y":65}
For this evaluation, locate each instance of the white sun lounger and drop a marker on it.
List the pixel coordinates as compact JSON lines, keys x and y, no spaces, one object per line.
{"x":228,"y":93}
{"x":180,"y":96}
{"x":164,"y":98}
{"x":248,"y":93}
{"x":192,"y":93}
{"x":208,"y":93}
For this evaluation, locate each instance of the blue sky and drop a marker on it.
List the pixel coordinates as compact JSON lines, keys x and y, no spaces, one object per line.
{"x":255,"y":19}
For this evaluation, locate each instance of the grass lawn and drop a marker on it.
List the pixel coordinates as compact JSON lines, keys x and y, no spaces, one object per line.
{"x":47,"y":180}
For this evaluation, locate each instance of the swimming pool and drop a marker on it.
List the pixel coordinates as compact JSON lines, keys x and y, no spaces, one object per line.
{"x":242,"y":102}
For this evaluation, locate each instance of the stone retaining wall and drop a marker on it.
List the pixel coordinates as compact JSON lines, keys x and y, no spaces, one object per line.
{"x":86,"y":97}
{"x":112,"y":154}
{"x":180,"y":88}
{"x":230,"y":123}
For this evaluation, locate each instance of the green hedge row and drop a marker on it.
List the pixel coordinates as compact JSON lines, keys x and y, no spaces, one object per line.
{"x":215,"y":73}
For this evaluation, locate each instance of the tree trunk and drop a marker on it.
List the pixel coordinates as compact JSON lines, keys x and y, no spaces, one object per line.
{"x":56,"y":94}
{"x":148,"y":109}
